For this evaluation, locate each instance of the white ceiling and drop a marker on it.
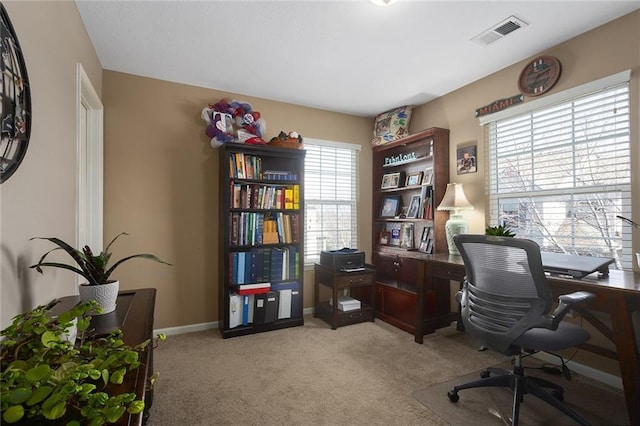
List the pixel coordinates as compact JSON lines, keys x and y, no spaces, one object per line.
{"x":345,"y":56}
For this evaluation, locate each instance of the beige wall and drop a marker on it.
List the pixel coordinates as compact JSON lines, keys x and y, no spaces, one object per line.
{"x":603,"y":51}
{"x":161,"y":175}
{"x":161,"y":185}
{"x":40,"y":198}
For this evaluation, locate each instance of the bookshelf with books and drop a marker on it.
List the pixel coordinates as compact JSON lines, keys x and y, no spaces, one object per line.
{"x":410,"y":177}
{"x":262,"y":238}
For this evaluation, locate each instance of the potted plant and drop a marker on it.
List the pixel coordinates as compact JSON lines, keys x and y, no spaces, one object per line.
{"x":48,"y":379}
{"x":501,"y":230}
{"x":635,"y":225}
{"x":94,"y":269}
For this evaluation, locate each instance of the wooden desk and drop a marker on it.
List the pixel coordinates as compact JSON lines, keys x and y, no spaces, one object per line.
{"x":617,"y":295}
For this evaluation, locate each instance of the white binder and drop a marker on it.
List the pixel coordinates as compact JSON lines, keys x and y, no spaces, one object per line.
{"x":284,"y":309}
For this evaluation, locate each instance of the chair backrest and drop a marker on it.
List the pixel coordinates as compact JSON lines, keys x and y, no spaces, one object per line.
{"x":505,"y":292}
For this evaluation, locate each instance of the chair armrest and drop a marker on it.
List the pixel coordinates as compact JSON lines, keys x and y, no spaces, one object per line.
{"x":565,"y":304}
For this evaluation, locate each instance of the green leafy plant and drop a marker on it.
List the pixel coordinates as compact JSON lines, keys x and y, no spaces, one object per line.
{"x":46,"y":378}
{"x":501,"y":230}
{"x":93,"y":268}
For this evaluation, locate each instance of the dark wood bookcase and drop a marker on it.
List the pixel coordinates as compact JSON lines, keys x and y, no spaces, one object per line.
{"x":261,"y":238}
{"x":412,"y":172}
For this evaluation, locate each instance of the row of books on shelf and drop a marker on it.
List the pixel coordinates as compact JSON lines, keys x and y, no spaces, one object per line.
{"x":254,"y":269}
{"x":279,"y":302}
{"x":245,"y":166}
{"x":256,"y":196}
{"x":253,"y":228}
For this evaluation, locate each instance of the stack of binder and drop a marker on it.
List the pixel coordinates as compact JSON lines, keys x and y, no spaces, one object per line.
{"x":279,"y":301}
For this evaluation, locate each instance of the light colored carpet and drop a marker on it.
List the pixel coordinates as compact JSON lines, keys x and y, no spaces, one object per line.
{"x":597,"y":403}
{"x":362,"y":374}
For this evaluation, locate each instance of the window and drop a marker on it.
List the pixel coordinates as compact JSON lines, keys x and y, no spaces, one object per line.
{"x":560,"y":173}
{"x":330,"y":194}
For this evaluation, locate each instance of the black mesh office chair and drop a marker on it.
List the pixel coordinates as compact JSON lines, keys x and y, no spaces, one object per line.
{"x":506,"y":304}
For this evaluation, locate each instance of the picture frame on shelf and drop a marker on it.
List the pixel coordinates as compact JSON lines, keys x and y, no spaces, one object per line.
{"x":385,"y":237}
{"x":426,"y":240}
{"x":413,"y":179}
{"x":391,"y":180}
{"x":390,"y":206}
{"x":427,"y":177}
{"x":393,"y":228}
{"x":414,"y":206}
{"x":406,"y":235}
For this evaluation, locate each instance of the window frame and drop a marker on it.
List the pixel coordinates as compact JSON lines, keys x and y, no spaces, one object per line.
{"x":532,"y":107}
{"x":309,"y":260}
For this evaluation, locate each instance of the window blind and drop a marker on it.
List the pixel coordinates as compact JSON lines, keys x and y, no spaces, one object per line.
{"x":560,"y":174}
{"x":330,"y":191}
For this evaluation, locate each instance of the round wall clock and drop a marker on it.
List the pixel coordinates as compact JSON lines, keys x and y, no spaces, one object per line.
{"x":539,"y":75}
{"x":15,"y":124}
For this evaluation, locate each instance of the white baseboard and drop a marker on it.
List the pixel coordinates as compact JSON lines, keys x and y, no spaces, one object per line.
{"x":172,"y":331}
{"x":584,"y":370}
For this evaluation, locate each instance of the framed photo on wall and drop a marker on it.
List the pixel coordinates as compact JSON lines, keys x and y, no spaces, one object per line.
{"x":466,"y":161}
{"x":390,"y":206}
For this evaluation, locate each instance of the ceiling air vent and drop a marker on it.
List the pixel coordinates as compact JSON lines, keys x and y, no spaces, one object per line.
{"x":500,"y":30}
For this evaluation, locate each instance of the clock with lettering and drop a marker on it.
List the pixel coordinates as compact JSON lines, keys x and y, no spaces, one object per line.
{"x":539,"y":75}
{"x":15,"y":100}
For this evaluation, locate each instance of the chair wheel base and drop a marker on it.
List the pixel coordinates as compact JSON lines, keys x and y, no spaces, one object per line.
{"x":453,"y":396}
{"x":485,"y":374}
{"x":559,"y":395}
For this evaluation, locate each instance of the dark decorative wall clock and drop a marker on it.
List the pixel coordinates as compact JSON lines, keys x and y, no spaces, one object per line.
{"x":539,"y":75}
{"x":15,"y":124}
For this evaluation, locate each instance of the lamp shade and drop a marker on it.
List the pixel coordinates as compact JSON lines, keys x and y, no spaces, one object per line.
{"x":454,"y":198}
{"x":383,"y":2}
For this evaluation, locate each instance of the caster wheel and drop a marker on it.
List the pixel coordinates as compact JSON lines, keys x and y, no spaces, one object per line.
{"x":485,"y":374}
{"x":453,"y":396}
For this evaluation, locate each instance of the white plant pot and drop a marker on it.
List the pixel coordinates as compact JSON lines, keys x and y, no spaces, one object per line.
{"x":72,"y":332}
{"x":104,"y":294}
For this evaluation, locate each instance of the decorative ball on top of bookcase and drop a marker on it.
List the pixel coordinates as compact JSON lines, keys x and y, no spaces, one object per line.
{"x":284,"y":140}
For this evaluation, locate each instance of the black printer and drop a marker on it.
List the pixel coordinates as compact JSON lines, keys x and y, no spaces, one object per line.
{"x":345,"y":259}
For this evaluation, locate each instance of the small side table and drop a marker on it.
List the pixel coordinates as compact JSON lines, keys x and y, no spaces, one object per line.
{"x":339,"y":281}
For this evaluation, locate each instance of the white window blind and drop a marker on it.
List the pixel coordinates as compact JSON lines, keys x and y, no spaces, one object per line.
{"x":330,"y":195}
{"x":560,"y":174}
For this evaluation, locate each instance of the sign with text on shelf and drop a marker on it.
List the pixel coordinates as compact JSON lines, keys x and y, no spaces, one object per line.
{"x":400,"y":158}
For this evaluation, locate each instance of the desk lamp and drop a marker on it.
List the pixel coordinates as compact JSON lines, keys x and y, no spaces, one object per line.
{"x":454,"y":200}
